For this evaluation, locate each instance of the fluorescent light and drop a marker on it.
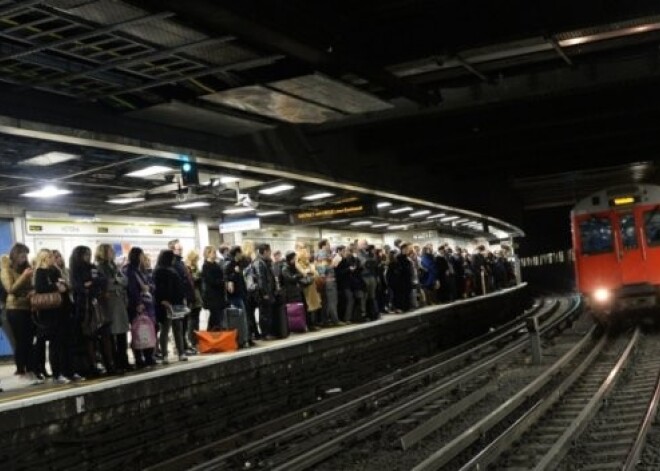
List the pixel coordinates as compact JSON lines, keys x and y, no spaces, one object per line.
{"x":381,"y":224}
{"x":435,"y":216}
{"x":339,"y":221}
{"x":397,"y":227}
{"x":461,"y":220}
{"x":449,"y":218}
{"x":384,"y":204}
{"x":215,"y":181}
{"x":237,"y":210}
{"x":48,"y":191}
{"x":276,"y":189}
{"x":317,"y":196}
{"x":405,"y":209}
{"x":194,"y":204}
{"x":361,"y":223}
{"x":49,"y":158}
{"x":137,"y":199}
{"x":150,"y":171}
{"x":423,"y":212}
{"x":269,"y":213}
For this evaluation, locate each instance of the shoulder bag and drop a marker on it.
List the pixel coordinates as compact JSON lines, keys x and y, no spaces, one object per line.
{"x":44,"y":301}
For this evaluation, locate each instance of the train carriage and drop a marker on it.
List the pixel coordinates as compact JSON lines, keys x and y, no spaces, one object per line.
{"x":616,"y":240}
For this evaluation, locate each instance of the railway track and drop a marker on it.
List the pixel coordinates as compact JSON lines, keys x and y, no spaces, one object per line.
{"x":408,"y":400}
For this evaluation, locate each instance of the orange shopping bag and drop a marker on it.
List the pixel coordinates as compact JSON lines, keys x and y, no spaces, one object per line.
{"x":216,"y":341}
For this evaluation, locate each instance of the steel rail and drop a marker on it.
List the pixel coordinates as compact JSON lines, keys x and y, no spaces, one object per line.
{"x":636,"y":450}
{"x":458,"y":444}
{"x":562,"y":445}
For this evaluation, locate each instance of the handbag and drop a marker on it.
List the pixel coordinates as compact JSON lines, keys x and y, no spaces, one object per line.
{"x":44,"y":301}
{"x":143,"y":333}
{"x":93,"y":319}
{"x":217,"y":341}
{"x":177,"y":311}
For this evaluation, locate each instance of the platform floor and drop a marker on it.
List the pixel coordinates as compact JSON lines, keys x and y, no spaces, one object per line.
{"x":18,"y":393}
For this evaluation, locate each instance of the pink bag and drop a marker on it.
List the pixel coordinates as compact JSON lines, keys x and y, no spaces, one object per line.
{"x":295,"y":313}
{"x":143,"y":333}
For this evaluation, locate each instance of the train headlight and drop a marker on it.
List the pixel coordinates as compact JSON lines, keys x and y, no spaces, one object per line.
{"x":601,"y":295}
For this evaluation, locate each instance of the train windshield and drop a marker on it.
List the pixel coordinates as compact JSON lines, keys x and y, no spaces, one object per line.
{"x":596,"y":235}
{"x":628,"y":233}
{"x":652,"y":227}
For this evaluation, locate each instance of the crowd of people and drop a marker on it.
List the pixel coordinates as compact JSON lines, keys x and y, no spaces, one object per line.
{"x":87,"y":333}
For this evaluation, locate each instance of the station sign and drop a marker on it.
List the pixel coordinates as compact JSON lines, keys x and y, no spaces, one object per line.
{"x":107,"y":228}
{"x":328,"y":213}
{"x":238,"y":225}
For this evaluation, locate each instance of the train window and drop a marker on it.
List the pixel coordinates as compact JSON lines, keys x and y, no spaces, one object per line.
{"x":628,"y":233}
{"x":596,"y":235}
{"x":652,"y":227}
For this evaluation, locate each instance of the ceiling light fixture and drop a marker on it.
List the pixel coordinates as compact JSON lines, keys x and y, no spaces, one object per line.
{"x":49,"y":158}
{"x":136,"y":199}
{"x":150,"y":171}
{"x":436,"y":216}
{"x":381,"y":224}
{"x":361,"y":223}
{"x":384,"y":204}
{"x":405,"y":209}
{"x":237,"y":210}
{"x":48,"y":191}
{"x":449,"y":218}
{"x":194,"y":204}
{"x":397,"y":227}
{"x":318,"y":196}
{"x":276,"y":189}
{"x":423,"y":212}
{"x":269,"y":213}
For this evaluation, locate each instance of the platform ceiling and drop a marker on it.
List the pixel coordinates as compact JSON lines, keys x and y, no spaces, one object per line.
{"x":495,"y":106}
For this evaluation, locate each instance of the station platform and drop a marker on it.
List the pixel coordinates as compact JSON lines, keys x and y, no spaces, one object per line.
{"x":215,"y":394}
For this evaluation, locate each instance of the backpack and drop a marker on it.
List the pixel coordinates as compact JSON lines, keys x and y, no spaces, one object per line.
{"x":250,"y":275}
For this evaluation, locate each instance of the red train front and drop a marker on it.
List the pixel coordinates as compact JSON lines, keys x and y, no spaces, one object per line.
{"x":616,"y":239}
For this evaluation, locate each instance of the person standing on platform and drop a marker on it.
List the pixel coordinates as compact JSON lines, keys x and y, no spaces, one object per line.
{"x":169,"y":292}
{"x":236,"y":289}
{"x":312,"y":297}
{"x":113,"y":304}
{"x":140,"y":293}
{"x":251,"y":301}
{"x":213,"y":289}
{"x":192,"y":266}
{"x":87,"y":285}
{"x":328,"y":286}
{"x":265,"y":291}
{"x":16,"y":275}
{"x":187,"y":285}
{"x":51,"y":322}
{"x":367,"y":256}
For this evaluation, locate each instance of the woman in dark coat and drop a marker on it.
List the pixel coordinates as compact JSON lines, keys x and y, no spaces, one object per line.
{"x":140,"y":293}
{"x":50,"y":322}
{"x":169,"y":292}
{"x":87,"y":285}
{"x":213,"y":289}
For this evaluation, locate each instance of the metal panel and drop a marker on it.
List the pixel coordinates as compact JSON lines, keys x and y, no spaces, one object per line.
{"x":187,"y":116}
{"x":325,"y":91}
{"x":265,"y":102}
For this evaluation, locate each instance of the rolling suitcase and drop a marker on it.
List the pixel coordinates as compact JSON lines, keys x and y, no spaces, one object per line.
{"x":280,"y":322}
{"x":295,"y":313}
{"x":236,"y":319}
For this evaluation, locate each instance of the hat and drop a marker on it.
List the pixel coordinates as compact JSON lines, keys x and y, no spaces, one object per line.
{"x":289,"y":255}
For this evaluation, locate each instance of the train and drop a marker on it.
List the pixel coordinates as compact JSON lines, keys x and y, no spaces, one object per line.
{"x":616,"y":243}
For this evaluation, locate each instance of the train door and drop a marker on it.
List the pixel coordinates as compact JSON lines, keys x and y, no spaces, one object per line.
{"x":630,"y":254}
{"x":650,"y":234}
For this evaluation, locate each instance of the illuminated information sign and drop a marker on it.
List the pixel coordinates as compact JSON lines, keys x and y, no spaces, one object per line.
{"x":330,"y":212}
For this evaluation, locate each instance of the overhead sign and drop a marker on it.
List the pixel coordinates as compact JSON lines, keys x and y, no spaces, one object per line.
{"x":327,"y":213}
{"x":239,"y":225}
